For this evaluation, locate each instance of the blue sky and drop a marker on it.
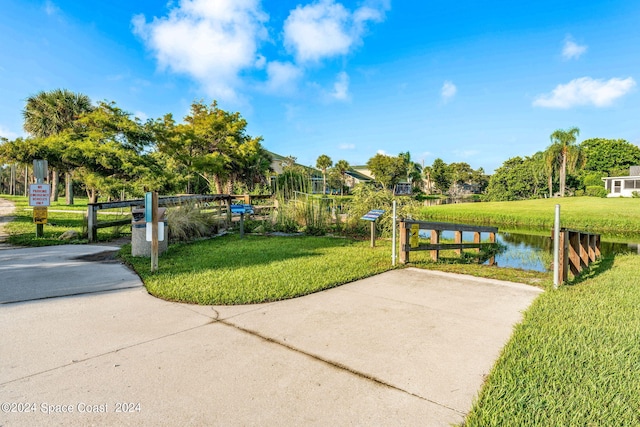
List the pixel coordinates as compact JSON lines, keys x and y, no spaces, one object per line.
{"x":476,"y":82}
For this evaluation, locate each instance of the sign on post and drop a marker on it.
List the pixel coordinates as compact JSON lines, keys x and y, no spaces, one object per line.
{"x":40,"y":214}
{"x":414,"y":238}
{"x":372,"y":216}
{"x":39,"y":194}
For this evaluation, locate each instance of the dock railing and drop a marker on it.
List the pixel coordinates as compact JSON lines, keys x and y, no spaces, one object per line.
{"x":410,"y":239}
{"x":577,"y":250}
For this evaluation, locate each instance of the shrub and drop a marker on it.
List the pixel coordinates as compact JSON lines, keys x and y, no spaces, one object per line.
{"x":187,"y":222}
{"x":595,"y":191}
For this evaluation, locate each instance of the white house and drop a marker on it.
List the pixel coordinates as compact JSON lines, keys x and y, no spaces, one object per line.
{"x":623,"y":186}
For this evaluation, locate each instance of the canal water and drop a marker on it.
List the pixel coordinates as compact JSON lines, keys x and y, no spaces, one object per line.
{"x":530,"y":251}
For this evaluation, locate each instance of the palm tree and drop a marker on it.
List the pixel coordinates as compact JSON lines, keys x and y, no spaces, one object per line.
{"x":323,"y":163}
{"x":552,"y":161}
{"x":342,"y":166}
{"x":414,"y":170}
{"x":49,"y":114}
{"x":569,"y":153}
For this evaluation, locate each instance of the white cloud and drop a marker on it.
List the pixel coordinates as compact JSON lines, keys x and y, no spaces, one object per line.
{"x":6,"y":133}
{"x":325,"y":29}
{"x":347,"y":146}
{"x":141,"y":115}
{"x":282,"y":77}
{"x":465,"y":154}
{"x":586,"y":91}
{"x":572,"y":50}
{"x":211,"y":41}
{"x":50,"y":8}
{"x":448,"y":91}
{"x":384,"y":153}
{"x":341,"y":87}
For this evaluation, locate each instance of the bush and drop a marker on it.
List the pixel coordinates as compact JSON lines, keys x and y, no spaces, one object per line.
{"x":366,"y":198}
{"x":595,"y":191}
{"x":187,"y":222}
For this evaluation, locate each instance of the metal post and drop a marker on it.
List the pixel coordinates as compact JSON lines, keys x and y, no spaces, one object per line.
{"x":393,"y":244}
{"x":556,"y":249}
{"x":154,"y":231}
{"x":373,"y":234}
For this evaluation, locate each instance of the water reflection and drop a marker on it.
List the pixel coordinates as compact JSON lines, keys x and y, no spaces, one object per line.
{"x":534,"y":252}
{"x":530,"y":251}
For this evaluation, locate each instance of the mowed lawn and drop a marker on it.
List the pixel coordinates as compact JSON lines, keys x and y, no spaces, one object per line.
{"x":612,"y":216}
{"x":575,"y":359}
{"x":230,"y":270}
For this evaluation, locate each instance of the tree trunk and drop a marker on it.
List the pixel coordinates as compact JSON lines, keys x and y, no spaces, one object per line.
{"x":563,"y":173}
{"x":68,"y":188}
{"x":12,"y":182}
{"x":26,"y":180}
{"x":54,"y":185}
{"x":550,"y":185}
{"x":93,"y":195}
{"x":218,"y":183}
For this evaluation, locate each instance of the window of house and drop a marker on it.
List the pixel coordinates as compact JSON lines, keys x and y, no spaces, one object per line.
{"x":617,"y":184}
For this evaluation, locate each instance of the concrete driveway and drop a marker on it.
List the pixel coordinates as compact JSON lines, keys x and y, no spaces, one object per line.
{"x":407,"y":347}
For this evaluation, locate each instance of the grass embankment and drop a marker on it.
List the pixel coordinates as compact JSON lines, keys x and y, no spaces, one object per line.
{"x":575,"y":359}
{"x":230,"y":270}
{"x":613,"y":216}
{"x":22,"y":230}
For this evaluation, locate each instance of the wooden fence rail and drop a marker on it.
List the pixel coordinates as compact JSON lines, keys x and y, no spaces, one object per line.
{"x":577,"y":250}
{"x":409,"y":238}
{"x":92,"y":209}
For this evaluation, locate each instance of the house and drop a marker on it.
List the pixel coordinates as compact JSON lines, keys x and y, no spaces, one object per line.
{"x":357,"y":175}
{"x":623,"y":186}
{"x":278,"y":163}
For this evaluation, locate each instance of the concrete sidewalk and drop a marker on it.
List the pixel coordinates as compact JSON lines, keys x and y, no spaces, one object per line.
{"x":53,"y":271}
{"x":407,"y":347}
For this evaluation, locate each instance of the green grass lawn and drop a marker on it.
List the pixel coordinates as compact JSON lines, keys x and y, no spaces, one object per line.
{"x":613,"y":216}
{"x":230,"y":270}
{"x":22,"y":229}
{"x":575,"y":359}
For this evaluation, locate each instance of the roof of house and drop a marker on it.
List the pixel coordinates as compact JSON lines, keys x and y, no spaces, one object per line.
{"x":358,"y":175}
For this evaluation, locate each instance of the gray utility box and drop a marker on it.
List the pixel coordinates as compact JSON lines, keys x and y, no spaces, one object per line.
{"x":139,"y":244}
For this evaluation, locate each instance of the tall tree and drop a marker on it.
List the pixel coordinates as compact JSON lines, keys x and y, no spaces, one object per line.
{"x":342,"y":166}
{"x":387,"y":170}
{"x":323,"y":163}
{"x":49,"y":114}
{"x":414,"y":170}
{"x":611,"y":157}
{"x":552,"y":162}
{"x":440,"y":175}
{"x":110,"y":151}
{"x":212,"y":143}
{"x":517,"y":179}
{"x":570,"y":153}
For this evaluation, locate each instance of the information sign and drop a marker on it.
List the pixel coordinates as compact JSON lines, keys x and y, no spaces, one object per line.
{"x":40,"y":214}
{"x":372,"y":215}
{"x":414,"y":239}
{"x":39,"y":194}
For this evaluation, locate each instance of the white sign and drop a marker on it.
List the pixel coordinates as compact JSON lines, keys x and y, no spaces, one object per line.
{"x":160,"y":231}
{"x":39,"y":194}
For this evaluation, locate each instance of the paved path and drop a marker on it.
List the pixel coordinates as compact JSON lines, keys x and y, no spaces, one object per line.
{"x":407,"y":347}
{"x":7,"y":208}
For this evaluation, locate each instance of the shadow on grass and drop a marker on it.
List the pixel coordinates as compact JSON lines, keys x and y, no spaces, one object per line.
{"x":595,"y":269}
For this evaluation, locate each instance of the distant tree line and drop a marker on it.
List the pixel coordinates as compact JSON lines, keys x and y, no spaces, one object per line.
{"x":564,"y":168}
